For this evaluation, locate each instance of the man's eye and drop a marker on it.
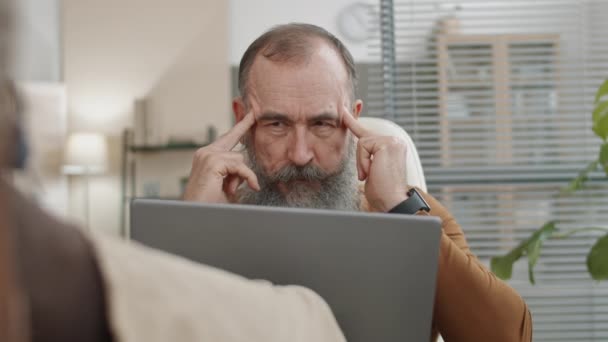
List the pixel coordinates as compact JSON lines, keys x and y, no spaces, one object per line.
{"x":276,"y":127}
{"x":322,"y":124}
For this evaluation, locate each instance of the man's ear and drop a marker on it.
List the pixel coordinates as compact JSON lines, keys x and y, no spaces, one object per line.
{"x":357,"y":108}
{"x":238,"y":108}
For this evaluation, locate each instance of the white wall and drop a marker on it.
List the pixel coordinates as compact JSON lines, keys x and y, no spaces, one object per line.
{"x":174,"y":52}
{"x":118,"y":50}
{"x":250,"y":18}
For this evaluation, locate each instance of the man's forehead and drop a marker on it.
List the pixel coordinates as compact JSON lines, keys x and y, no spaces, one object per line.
{"x":272,"y":111}
{"x":296,"y":98}
{"x":296,"y":80}
{"x":287,"y":100}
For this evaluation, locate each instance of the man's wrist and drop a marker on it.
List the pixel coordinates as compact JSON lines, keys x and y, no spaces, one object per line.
{"x":393,"y":201}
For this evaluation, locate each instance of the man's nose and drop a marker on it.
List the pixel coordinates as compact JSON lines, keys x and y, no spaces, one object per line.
{"x":300,"y":151}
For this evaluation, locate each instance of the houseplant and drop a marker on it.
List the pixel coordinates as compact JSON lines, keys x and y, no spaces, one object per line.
{"x":597,"y":259}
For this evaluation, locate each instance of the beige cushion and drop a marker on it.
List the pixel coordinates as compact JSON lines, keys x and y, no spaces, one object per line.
{"x":154,"y":296}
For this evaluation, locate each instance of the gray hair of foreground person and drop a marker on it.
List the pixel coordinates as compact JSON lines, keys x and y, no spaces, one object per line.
{"x":8,"y":100}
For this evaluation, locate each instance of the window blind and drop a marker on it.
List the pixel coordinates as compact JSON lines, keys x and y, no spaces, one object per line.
{"x":497,"y":96}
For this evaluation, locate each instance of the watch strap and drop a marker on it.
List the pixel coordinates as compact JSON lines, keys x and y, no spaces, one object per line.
{"x":412,"y":205}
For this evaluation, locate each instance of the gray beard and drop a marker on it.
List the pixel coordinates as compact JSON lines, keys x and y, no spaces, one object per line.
{"x":338,"y":190}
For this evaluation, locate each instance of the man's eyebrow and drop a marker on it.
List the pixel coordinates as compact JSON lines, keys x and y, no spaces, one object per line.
{"x":274,"y":116}
{"x":325,"y":117}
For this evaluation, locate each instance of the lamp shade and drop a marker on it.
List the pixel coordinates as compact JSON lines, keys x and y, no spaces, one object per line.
{"x":86,"y":153}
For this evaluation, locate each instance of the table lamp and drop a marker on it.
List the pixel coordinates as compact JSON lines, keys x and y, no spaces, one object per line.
{"x":86,"y":154}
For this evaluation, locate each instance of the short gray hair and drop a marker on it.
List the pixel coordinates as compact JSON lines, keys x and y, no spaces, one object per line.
{"x":6,"y":36}
{"x":292,"y":43}
{"x":9,"y":104}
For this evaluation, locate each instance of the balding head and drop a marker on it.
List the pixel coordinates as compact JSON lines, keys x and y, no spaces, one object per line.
{"x":294,"y":44}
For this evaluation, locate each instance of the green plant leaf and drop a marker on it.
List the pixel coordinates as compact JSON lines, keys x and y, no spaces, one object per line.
{"x":534,"y":245}
{"x":600,"y":111}
{"x":601,"y":127}
{"x":597,"y":259}
{"x":604,"y":157}
{"x":601,"y":92}
{"x":503,"y":266}
{"x":578,"y":182}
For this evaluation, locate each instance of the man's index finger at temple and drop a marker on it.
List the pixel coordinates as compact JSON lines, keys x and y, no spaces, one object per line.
{"x":351,"y":123}
{"x":234,"y":135}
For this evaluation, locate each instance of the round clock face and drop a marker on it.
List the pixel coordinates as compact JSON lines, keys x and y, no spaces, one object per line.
{"x":355,"y":21}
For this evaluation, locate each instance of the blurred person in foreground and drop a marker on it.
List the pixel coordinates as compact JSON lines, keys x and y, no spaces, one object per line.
{"x":304,"y":147}
{"x":58,"y":283}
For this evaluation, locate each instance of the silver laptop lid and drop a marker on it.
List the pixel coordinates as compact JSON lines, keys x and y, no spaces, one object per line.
{"x":376,"y":271}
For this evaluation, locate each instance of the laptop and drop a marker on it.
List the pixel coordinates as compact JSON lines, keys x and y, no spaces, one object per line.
{"x":376,"y":271}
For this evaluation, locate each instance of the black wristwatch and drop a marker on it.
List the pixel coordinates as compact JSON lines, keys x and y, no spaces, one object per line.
{"x":412,"y":205}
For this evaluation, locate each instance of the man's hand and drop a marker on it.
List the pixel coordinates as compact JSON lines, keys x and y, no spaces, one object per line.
{"x":381,"y":162}
{"x":217,"y":171}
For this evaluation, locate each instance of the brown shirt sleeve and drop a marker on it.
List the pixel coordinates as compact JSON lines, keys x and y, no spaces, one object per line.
{"x":471,"y":303}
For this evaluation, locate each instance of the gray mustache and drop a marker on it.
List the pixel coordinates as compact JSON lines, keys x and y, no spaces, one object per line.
{"x":301,"y":173}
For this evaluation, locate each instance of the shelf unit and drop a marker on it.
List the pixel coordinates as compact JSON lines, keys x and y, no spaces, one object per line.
{"x":489,"y":80}
{"x":129,"y":175}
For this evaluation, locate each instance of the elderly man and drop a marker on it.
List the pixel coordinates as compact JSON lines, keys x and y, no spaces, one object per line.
{"x":297,"y":118}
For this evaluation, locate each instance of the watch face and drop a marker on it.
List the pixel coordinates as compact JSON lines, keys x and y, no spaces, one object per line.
{"x":355,"y":21}
{"x":417,"y":197}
